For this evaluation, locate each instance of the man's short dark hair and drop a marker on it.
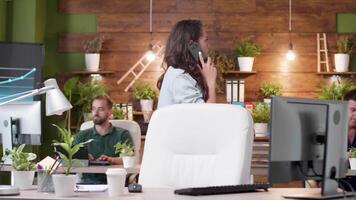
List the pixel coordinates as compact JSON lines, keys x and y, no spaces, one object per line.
{"x":350,"y":95}
{"x":105,"y":98}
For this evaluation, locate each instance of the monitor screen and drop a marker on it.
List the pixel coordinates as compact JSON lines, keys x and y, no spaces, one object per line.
{"x":20,"y":60}
{"x":308,"y":140}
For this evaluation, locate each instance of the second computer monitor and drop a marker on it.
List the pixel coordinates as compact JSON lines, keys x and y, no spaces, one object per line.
{"x":308,"y":141}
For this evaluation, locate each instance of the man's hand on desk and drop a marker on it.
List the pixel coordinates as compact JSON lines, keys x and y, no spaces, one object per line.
{"x":112,"y":160}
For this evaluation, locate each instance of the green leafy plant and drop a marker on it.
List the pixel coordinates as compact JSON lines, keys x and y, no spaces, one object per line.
{"x":67,"y":145}
{"x":144,"y":91}
{"x":93,"y":46}
{"x":223,"y":64}
{"x":81,"y":94}
{"x":345,"y":44}
{"x":125,"y":149}
{"x":352,"y":152}
{"x":336,"y":90}
{"x":261,"y":113}
{"x":21,"y":161}
{"x":245,"y":47}
{"x":118,"y":113}
{"x":270,"y":89}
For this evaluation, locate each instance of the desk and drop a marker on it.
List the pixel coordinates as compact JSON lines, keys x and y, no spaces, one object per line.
{"x":90,"y":169}
{"x":167,"y":194}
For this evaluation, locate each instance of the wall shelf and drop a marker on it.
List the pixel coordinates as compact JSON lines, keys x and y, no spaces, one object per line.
{"x":337,"y":73}
{"x":238,"y":74}
{"x":85,"y":73}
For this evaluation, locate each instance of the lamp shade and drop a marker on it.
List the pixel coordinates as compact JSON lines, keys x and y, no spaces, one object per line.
{"x":56,"y":102}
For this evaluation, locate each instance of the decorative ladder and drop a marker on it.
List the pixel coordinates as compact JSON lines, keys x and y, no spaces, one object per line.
{"x":322,"y":48}
{"x":157,"y":49}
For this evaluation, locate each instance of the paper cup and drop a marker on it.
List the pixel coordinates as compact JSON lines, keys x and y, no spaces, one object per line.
{"x":116,"y":181}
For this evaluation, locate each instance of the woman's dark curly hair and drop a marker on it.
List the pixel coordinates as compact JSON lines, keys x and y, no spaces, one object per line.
{"x":177,"y":54}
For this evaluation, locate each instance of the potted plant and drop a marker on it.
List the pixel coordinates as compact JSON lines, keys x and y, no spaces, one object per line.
{"x":345,"y":46}
{"x":146,"y":94}
{"x":270,"y":89}
{"x":126,"y":151}
{"x":64,"y":184}
{"x":81,"y":94}
{"x":118,"y":113}
{"x":336,"y":90}
{"x":24,"y":167}
{"x":223,"y":64}
{"x":261,"y":116}
{"x":92,"y":50}
{"x":246,"y":51}
{"x":352,"y":158}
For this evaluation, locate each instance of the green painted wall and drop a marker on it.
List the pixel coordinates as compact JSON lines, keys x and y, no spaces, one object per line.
{"x":3,"y":13}
{"x":346,"y":23}
{"x":58,"y":23}
{"x":56,"y":62}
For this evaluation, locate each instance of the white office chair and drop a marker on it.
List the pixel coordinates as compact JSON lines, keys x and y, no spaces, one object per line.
{"x":131,"y":126}
{"x":197,"y":145}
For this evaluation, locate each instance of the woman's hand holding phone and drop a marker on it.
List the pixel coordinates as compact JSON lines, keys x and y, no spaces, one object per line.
{"x":208,"y":70}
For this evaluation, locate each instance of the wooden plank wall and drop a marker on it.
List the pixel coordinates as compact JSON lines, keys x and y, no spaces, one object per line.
{"x":125,"y":26}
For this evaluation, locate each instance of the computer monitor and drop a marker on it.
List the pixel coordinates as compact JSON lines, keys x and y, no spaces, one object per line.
{"x":308,"y":141}
{"x":20,"y":123}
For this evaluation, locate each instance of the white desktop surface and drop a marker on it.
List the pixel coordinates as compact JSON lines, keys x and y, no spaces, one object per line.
{"x":166,"y":194}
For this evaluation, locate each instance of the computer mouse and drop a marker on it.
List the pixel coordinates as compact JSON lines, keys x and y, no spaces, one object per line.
{"x":135,"y":187}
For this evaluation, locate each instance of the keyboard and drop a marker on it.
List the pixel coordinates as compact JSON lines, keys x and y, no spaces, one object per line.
{"x":212,"y":190}
{"x":98,"y":162}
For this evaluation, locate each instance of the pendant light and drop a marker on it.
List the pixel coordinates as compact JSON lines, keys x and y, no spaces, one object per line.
{"x":290,"y":54}
{"x":150,"y":56}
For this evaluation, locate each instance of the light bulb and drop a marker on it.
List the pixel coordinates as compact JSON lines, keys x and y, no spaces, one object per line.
{"x":290,"y":55}
{"x":150,"y":56}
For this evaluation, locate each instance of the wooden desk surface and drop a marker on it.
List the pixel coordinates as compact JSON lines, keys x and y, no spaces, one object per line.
{"x":166,"y":194}
{"x":90,"y":169}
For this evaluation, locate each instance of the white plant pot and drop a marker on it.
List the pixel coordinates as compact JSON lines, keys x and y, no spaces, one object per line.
{"x":267,"y":101}
{"x":342,"y":62}
{"x":352,"y":163}
{"x":22,"y":179}
{"x":92,"y":61}
{"x":245,"y":63}
{"x":261,"y":128}
{"x":64,"y":186}
{"x":146,"y":104}
{"x":129,"y":161}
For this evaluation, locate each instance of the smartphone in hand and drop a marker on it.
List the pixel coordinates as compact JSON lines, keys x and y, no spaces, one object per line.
{"x":194,"y":49}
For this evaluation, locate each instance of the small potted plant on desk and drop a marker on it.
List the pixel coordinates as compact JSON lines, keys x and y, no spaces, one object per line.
{"x":146,"y":94}
{"x":270,"y":89}
{"x":24,"y":167}
{"x":126,"y":150}
{"x":64,"y":184}
{"x":352,"y":158}
{"x":261,"y":116}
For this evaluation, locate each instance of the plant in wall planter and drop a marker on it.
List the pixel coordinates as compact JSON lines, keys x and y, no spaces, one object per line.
{"x":246,"y":51}
{"x":270,"y":89}
{"x":81,"y":94}
{"x":24,"y":167}
{"x":345,"y":46}
{"x":352,"y":158}
{"x":336,"y":90}
{"x":92,"y":50}
{"x":261,"y":116}
{"x":64,"y":184}
{"x":126,"y":150}
{"x":146,"y":94}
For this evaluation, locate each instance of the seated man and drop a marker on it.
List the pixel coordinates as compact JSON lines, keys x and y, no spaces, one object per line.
{"x":351,"y":140}
{"x":104,"y":136}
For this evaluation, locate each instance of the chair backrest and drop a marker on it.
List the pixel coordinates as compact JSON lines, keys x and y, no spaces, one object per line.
{"x":196,"y":145}
{"x":131,"y":126}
